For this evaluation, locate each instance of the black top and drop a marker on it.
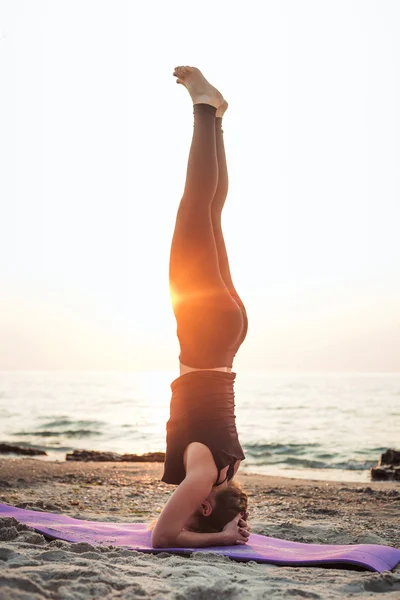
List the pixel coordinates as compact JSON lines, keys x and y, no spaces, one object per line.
{"x":202,"y":410}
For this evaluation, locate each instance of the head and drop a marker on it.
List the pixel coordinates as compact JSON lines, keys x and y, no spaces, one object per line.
{"x":218,"y":509}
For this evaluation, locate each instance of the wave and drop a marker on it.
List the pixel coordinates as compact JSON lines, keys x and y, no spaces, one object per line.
{"x":64,"y":421}
{"x":272,"y":449}
{"x":309,"y":463}
{"x":307,"y":456}
{"x":63,"y":426}
{"x":66,"y":433}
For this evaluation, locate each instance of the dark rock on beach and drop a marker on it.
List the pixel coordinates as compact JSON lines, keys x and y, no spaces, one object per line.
{"x":89,"y":455}
{"x":148,"y":457}
{"x":385,"y":473}
{"x":390,"y":457}
{"x":93,"y":455}
{"x":388,"y":468}
{"x":10,"y":449}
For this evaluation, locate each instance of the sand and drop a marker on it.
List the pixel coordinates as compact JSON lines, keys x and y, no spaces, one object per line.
{"x":32,"y":567}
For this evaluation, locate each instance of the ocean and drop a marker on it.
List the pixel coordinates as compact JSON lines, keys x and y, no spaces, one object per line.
{"x":325,"y":427}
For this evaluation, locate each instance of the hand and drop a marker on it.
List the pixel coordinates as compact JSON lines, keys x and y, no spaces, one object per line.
{"x":244,"y":523}
{"x":235,"y":533}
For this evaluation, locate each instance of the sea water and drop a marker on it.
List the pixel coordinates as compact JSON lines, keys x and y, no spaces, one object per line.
{"x":332,"y":426}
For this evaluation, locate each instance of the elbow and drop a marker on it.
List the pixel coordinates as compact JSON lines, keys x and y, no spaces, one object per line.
{"x":159,"y":541}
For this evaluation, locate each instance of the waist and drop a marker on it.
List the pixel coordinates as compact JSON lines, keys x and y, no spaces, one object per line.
{"x":200,"y":379}
{"x":183,"y":369}
{"x":201,"y":388}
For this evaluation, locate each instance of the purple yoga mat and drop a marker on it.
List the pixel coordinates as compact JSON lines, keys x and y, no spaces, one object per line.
{"x":260,"y":548}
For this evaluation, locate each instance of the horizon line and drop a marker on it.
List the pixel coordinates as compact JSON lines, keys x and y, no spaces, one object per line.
{"x":241,"y":371}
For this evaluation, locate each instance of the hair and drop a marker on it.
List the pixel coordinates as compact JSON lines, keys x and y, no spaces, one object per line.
{"x":229,"y":502}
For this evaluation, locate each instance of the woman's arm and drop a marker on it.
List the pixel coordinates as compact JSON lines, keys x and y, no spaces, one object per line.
{"x":233,"y":533}
{"x":192,"y":539}
{"x":201,"y":473}
{"x":187,"y":497}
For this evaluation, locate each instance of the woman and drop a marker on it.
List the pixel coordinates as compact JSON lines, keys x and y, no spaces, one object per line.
{"x":203,"y":450}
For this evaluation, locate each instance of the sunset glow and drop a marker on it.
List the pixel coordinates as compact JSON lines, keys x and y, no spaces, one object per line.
{"x":95,"y":136}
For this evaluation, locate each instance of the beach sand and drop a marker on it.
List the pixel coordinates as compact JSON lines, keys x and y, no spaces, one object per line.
{"x":299,"y":510}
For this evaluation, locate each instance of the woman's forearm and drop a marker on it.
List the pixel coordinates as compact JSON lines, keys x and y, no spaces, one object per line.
{"x":191,"y":539}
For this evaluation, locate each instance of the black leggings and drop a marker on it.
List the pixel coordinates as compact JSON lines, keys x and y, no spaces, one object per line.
{"x":211,"y":318}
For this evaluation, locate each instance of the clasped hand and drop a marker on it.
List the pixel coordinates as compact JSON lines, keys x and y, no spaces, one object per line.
{"x":236,"y":531}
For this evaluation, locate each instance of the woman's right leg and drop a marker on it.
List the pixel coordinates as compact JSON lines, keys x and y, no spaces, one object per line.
{"x":194,"y":269}
{"x":216,"y":216}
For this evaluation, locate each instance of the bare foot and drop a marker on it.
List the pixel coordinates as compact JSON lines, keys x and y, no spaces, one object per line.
{"x":200,"y":90}
{"x":221,"y":109}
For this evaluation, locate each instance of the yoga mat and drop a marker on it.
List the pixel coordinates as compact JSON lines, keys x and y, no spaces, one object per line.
{"x":259,"y":548}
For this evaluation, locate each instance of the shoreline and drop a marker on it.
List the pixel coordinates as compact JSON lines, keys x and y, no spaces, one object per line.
{"x":24,"y":479}
{"x":308,"y":511}
{"x":359,"y":476}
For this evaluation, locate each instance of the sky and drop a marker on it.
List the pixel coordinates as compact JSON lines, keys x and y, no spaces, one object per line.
{"x":93,"y":148}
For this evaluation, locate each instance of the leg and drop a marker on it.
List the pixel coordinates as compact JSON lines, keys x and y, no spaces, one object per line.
{"x":208,"y":318}
{"x":194,"y":265}
{"x":216,"y":215}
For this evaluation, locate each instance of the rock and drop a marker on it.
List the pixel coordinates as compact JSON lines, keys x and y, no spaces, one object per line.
{"x":89,"y":455}
{"x":363,"y":490}
{"x":388,"y":468}
{"x":390,"y":457}
{"x":11,"y":449}
{"x":385,"y":473}
{"x":148,"y":457}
